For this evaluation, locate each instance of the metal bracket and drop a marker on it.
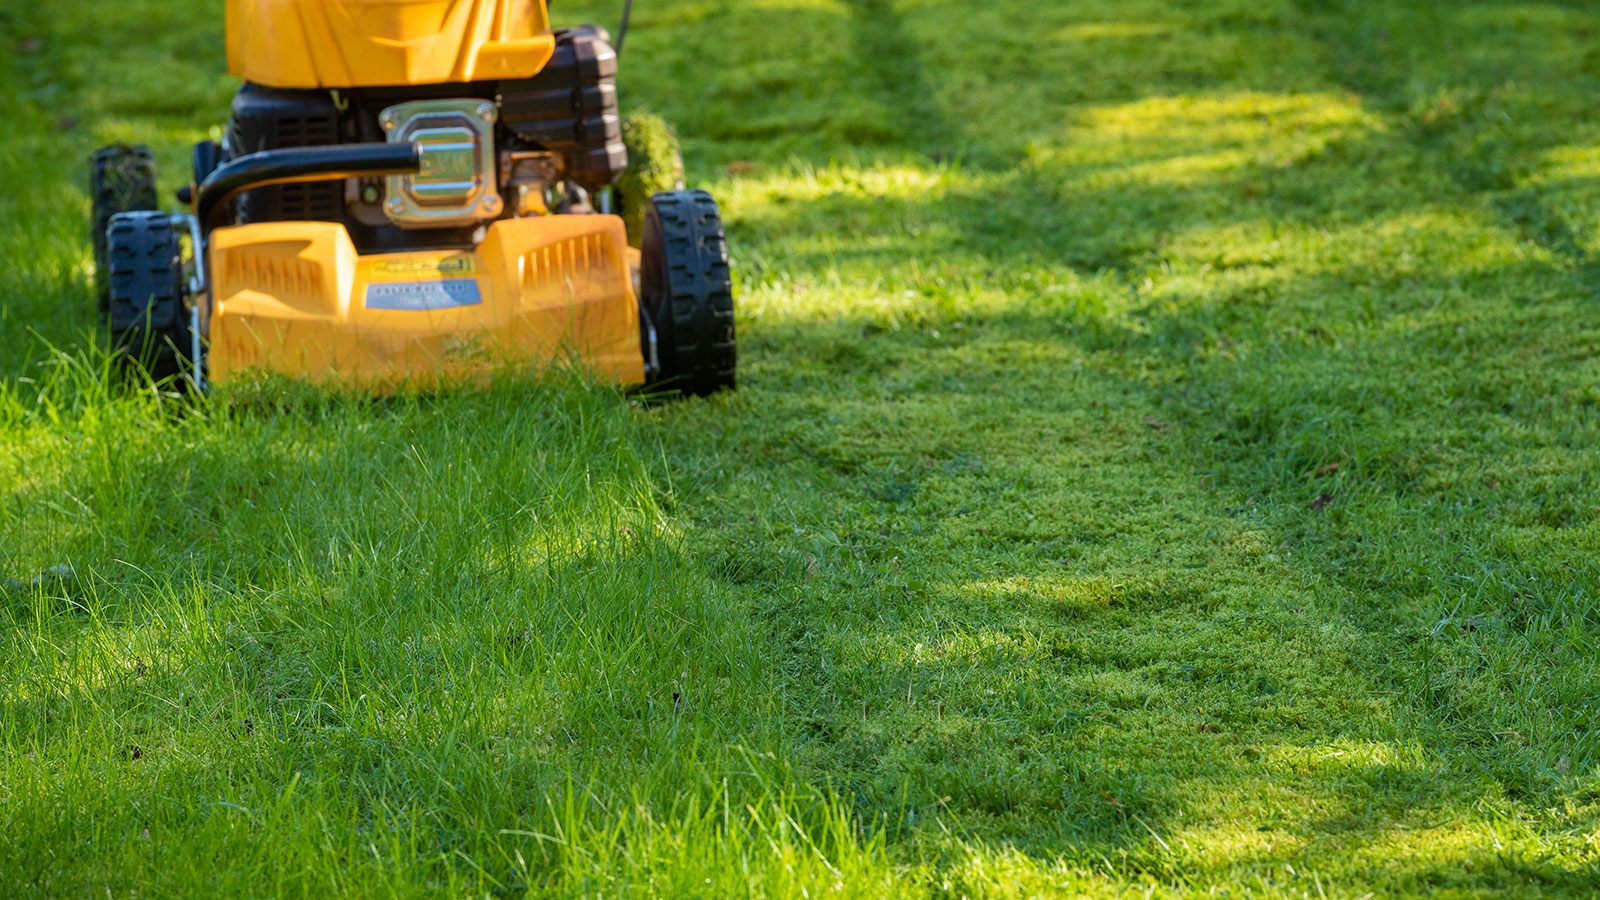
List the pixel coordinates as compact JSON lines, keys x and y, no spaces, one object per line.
{"x":198,"y":287}
{"x":652,"y":359}
{"x":455,"y":183}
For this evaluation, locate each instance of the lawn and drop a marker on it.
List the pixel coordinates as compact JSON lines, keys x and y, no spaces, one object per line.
{"x":1165,"y":464}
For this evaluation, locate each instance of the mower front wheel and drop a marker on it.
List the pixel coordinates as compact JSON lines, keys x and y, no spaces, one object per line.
{"x":148,"y":320}
{"x":687,"y":291}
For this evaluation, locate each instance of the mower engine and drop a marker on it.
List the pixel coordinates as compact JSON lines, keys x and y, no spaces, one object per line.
{"x":527,"y":146}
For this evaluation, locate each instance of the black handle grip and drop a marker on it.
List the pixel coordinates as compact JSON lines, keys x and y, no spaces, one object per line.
{"x":299,"y":164}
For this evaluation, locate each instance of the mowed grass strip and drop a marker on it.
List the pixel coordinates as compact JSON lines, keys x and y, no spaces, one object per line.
{"x":1164,"y":463}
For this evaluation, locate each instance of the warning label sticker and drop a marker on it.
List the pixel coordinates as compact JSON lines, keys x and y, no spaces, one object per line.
{"x":416,"y":296}
{"x":410,"y":269}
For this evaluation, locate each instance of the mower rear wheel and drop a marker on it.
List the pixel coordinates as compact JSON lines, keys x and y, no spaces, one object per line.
{"x":121,"y":179}
{"x":687,"y":291}
{"x":148,"y":321}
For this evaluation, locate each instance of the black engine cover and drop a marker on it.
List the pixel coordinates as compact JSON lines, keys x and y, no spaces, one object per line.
{"x":570,"y":108}
{"x":271,"y":119}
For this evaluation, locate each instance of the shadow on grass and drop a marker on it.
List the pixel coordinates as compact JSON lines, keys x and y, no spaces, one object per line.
{"x":893,"y":66}
{"x":1068,"y":594}
{"x":1096,"y":580}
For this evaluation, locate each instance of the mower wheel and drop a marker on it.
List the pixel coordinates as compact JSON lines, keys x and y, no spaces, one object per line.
{"x":148,"y":321}
{"x":121,"y":179}
{"x":687,"y":291}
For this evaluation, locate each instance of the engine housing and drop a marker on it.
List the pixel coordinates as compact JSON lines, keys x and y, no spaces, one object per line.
{"x":491,"y":150}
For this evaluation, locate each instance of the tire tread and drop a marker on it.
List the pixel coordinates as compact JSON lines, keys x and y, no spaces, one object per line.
{"x":122,"y":178}
{"x":146,"y":292}
{"x":699,"y":344}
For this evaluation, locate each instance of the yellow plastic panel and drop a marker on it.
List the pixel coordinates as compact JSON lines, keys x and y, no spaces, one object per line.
{"x":363,"y":43}
{"x":296,"y":298}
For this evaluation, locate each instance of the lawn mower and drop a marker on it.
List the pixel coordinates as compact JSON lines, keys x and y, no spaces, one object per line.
{"x":411,"y":192}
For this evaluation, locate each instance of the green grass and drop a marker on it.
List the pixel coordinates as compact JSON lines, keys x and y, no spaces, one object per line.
{"x":1164,"y":465}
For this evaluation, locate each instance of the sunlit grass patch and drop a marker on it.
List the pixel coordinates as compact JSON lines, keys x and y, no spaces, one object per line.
{"x":1560,"y":165}
{"x":1109,"y":30}
{"x":1166,"y":126}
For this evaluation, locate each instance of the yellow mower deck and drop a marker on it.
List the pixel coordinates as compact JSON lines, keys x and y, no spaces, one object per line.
{"x":296,"y":298}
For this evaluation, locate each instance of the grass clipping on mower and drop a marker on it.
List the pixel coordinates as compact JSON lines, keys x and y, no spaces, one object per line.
{"x":655,"y":163}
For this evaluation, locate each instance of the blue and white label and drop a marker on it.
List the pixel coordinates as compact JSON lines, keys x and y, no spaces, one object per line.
{"x":419,"y":296}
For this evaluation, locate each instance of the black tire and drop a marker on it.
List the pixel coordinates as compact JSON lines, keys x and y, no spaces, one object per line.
{"x":687,"y":291}
{"x":148,"y":322}
{"x":121,"y":179}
